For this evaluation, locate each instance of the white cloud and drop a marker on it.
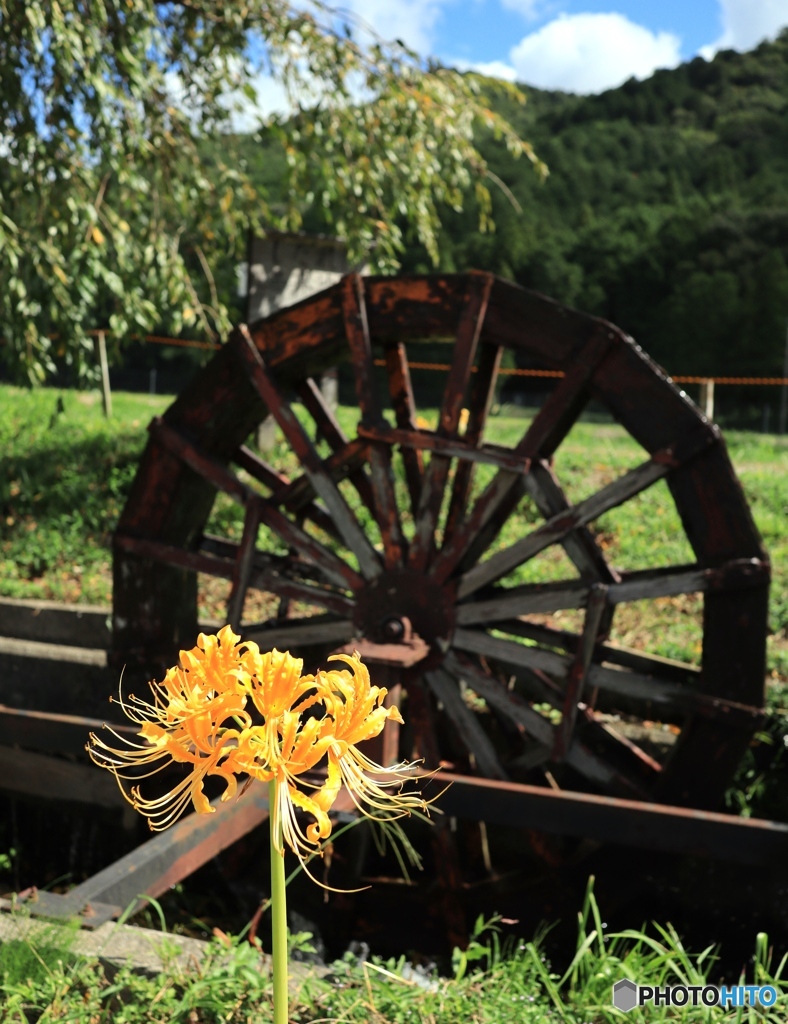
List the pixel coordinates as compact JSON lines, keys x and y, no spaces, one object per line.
{"x":412,"y":21}
{"x":746,"y":23}
{"x":491,"y":68}
{"x":528,"y":8}
{"x":591,"y":52}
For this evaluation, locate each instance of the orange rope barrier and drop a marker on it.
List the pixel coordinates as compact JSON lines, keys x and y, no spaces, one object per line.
{"x":730,"y":380}
{"x":559,"y":373}
{"x":159,"y":339}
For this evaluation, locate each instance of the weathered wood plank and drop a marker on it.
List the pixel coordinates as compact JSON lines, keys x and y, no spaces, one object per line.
{"x":293,"y":634}
{"x":542,"y":437}
{"x":52,"y":733}
{"x":208,"y":467}
{"x":507,"y":603}
{"x":479,"y":404}
{"x":609,"y":497}
{"x":578,"y":672}
{"x":435,"y":477}
{"x":473,"y":737}
{"x":79,"y":625}
{"x":328,"y":425}
{"x":321,"y":480}
{"x":451,"y":448}
{"x":244,"y":565}
{"x":402,"y":400}
{"x":535,"y":725}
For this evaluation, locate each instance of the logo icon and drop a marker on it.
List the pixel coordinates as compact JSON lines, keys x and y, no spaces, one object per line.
{"x":625,"y":995}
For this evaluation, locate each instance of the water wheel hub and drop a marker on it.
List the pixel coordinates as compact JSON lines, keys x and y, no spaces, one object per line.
{"x":399,"y":601}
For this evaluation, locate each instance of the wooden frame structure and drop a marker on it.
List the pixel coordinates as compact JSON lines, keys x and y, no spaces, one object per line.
{"x":363,"y":579}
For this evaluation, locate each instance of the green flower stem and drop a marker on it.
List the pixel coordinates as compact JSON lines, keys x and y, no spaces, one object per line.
{"x":278,"y":912}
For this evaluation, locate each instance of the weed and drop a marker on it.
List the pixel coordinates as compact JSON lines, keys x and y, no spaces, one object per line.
{"x":494,"y":982}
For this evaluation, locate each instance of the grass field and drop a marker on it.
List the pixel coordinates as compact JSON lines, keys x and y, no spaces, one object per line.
{"x":65,"y":472}
{"x":494,"y":981}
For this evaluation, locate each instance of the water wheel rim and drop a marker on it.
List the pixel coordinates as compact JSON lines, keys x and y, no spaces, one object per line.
{"x":160,"y":543}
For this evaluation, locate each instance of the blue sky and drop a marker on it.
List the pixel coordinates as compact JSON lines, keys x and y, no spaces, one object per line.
{"x":577,"y":45}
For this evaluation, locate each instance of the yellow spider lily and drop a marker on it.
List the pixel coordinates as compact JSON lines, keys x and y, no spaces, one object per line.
{"x":230,"y":710}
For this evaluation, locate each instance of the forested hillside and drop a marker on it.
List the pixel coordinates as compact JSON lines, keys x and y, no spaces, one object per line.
{"x":666,"y":210}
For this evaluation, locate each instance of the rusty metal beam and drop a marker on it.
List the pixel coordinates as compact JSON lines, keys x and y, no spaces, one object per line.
{"x":37,"y":775}
{"x":613,"y":820}
{"x":169,"y":857}
{"x":51,"y":733}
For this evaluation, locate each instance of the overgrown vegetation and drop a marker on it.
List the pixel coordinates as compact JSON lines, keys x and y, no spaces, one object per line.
{"x":666,"y":211}
{"x":494,"y":981}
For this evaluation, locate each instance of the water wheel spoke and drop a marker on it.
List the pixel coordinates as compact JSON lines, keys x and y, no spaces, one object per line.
{"x":333,"y":568}
{"x":543,"y":435}
{"x":503,"y":603}
{"x":217,"y":557}
{"x":445,"y":447}
{"x":580,"y":544}
{"x":668,"y":698}
{"x":208,"y":467}
{"x":386,"y":504}
{"x":328,"y":426}
{"x":474,"y":739}
{"x":479,"y":404}
{"x":279,"y":483}
{"x":505,"y":702}
{"x":436,"y":474}
{"x":535,"y":725}
{"x":326,"y":422}
{"x":296,"y":495}
{"x":608,"y":497}
{"x":244,"y":565}
{"x":618,"y":748}
{"x":404,"y":405}
{"x":384,"y":497}
{"x":259,"y":469}
{"x":354,"y":311}
{"x":578,"y":671}
{"x":179,"y":558}
{"x":284,"y":575}
{"x":294,"y":633}
{"x":319,"y":477}
{"x":663,"y":669}
{"x":510,"y":652}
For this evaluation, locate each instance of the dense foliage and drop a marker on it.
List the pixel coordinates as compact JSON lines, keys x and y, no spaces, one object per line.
{"x":666,"y":210}
{"x":109,"y":216}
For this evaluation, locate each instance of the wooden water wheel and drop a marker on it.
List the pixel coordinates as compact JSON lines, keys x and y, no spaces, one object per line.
{"x":403,"y":528}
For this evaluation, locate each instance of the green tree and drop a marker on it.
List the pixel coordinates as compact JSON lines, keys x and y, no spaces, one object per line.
{"x":109,"y":215}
